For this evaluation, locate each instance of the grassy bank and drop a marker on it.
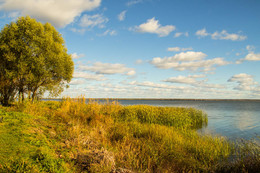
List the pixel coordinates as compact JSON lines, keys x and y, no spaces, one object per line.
{"x":71,"y":136}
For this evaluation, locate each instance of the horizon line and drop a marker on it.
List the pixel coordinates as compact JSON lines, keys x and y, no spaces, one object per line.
{"x":187,"y":99}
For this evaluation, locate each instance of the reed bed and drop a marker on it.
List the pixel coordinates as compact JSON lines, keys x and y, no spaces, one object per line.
{"x":88,"y":136}
{"x":184,"y":118}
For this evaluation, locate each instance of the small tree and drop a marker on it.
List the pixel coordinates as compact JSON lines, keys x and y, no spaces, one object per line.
{"x":33,"y":60}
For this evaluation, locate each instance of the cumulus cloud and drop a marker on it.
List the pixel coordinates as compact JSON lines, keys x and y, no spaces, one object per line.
{"x":178,"y":49}
{"x":121,"y":16}
{"x":77,"y":56}
{"x":153,"y":26}
{"x":249,"y":57}
{"x":252,"y":57}
{"x":59,"y":12}
{"x":184,"y":56}
{"x":97,"y":20}
{"x":191,"y":61}
{"x":107,"y":68}
{"x":223,"y":35}
{"x":245,"y":82}
{"x":88,"y":76}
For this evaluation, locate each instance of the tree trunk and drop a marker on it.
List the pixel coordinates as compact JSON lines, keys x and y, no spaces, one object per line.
{"x":22,"y":96}
{"x":8,"y":93}
{"x":5,"y":101}
{"x":29,"y":94}
{"x":34,"y":93}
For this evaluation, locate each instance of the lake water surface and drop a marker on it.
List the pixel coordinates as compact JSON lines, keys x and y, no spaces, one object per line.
{"x":233,"y":119}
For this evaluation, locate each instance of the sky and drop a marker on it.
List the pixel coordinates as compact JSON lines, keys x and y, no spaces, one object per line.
{"x":192,"y":49}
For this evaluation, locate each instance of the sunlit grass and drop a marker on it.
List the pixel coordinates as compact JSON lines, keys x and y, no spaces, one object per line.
{"x":25,"y":147}
{"x":107,"y":137}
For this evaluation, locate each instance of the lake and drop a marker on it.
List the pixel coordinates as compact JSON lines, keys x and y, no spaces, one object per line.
{"x":231,"y":118}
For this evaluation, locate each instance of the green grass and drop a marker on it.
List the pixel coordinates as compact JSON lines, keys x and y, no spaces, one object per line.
{"x":24,"y":146}
{"x":71,"y":136}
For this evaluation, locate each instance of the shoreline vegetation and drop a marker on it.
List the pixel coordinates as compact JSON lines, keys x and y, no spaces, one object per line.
{"x":74,"y":136}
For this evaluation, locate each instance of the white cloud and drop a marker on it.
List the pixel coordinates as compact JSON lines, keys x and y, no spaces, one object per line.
{"x":95,"y":20}
{"x":81,"y":31}
{"x":178,"y":34}
{"x":109,"y":32}
{"x":59,"y":12}
{"x":250,"y":48}
{"x":245,"y":82}
{"x":88,"y":76}
{"x":188,"y":61}
{"x":178,"y":49}
{"x":154,"y":85}
{"x":107,"y":68}
{"x":77,"y":82}
{"x":139,"y":61}
{"x":197,"y":88}
{"x":202,"y":33}
{"x":223,"y":35}
{"x":134,"y":2}
{"x":183,"y":56}
{"x":174,"y":49}
{"x":153,"y":26}
{"x":253,"y":57}
{"x":191,"y":79}
{"x":143,"y":89}
{"x":77,"y":56}
{"x":241,"y":78}
{"x":131,"y":73}
{"x":249,"y":57}
{"x":121,"y":16}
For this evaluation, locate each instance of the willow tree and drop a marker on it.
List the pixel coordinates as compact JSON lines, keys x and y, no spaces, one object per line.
{"x":33,"y":59}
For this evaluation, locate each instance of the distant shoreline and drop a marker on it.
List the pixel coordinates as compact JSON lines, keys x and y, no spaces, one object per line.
{"x":160,"y":99}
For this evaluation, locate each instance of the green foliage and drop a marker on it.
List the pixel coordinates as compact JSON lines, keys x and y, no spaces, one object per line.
{"x":33,"y":60}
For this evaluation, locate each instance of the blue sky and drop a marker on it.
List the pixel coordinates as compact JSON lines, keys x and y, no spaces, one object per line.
{"x":154,"y":48}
